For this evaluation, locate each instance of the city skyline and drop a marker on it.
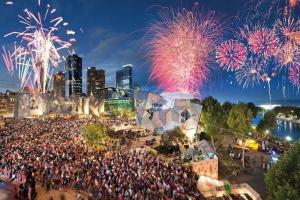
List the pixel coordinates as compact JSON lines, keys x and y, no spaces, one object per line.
{"x":118,"y":38}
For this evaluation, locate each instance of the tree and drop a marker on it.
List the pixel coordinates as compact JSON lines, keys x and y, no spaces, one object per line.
{"x":239,"y":120}
{"x":95,"y":134}
{"x":212,"y":118}
{"x":282,"y":180}
{"x":253,"y":109}
{"x":226,"y":107}
{"x":175,"y":135}
{"x":268,"y":122}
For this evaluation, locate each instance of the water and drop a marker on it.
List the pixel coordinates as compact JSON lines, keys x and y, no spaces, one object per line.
{"x":287,"y":129}
{"x":284,"y":129}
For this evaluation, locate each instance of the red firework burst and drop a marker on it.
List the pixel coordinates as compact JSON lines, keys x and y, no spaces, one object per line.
{"x":263,"y":42}
{"x":294,"y":76}
{"x":231,"y":55}
{"x":181,"y":47}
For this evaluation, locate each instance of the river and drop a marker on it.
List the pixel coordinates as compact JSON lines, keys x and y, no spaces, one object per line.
{"x":284,"y":129}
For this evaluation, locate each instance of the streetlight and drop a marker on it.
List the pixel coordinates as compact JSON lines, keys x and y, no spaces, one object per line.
{"x":288,"y":138}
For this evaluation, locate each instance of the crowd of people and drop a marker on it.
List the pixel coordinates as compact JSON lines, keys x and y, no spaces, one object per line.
{"x":52,"y":152}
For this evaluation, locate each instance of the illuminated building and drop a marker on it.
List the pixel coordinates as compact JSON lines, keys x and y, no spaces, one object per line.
{"x":74,"y":75}
{"x":95,"y":81}
{"x":59,"y":81}
{"x":118,"y":104}
{"x":7,"y":102}
{"x":124,"y":80}
{"x":167,"y":111}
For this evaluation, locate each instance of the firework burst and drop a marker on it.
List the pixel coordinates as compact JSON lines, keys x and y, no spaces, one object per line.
{"x":286,"y":28}
{"x":250,"y":74}
{"x":181,"y":49}
{"x":231,"y":55}
{"x":289,"y":55}
{"x":37,"y":50}
{"x":294,"y":76}
{"x":263,"y":42}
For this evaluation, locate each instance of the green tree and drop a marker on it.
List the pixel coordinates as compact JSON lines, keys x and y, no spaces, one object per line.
{"x":226,"y":107}
{"x":95,"y":134}
{"x":212,"y":118}
{"x":253,"y":109}
{"x":239,"y":120}
{"x":175,"y":135}
{"x":282,"y":180}
{"x":268,"y":122}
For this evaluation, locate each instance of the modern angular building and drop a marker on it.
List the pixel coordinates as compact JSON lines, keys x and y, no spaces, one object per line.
{"x":167,"y":111}
{"x":59,"y":84}
{"x":124,"y":80}
{"x":74,"y":75}
{"x":95,"y":81}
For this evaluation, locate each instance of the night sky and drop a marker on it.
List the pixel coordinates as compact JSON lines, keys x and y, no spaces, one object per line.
{"x":114,"y":35}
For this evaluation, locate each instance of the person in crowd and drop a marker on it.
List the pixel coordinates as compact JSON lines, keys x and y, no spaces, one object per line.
{"x":53,"y":153}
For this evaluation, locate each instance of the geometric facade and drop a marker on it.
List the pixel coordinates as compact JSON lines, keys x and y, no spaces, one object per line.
{"x":167,"y":111}
{"x":34,"y":105}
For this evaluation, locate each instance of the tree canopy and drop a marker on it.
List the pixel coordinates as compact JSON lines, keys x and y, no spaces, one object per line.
{"x":175,"y":135}
{"x":253,"y":108}
{"x":268,"y":122}
{"x":239,"y":120}
{"x":212,"y":117}
{"x":282,"y":180}
{"x":95,"y":134}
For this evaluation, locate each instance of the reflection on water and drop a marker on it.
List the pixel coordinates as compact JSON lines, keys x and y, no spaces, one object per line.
{"x":284,"y":129}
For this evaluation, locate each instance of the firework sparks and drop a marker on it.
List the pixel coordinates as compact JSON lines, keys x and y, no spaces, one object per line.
{"x":293,"y":3}
{"x":250,"y":74}
{"x":286,"y":28}
{"x":263,"y":42}
{"x":38,"y":49}
{"x":231,"y":55}
{"x":181,"y":49}
{"x":289,"y":55}
{"x":294,"y":76}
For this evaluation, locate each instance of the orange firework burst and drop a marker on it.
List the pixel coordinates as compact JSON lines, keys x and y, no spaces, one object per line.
{"x":293,"y":3}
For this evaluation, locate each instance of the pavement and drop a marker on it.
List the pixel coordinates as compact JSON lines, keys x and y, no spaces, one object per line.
{"x":255,"y":175}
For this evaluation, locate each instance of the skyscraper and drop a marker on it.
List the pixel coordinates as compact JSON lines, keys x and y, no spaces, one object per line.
{"x":59,"y":82}
{"x":95,"y":81}
{"x":74,"y":75}
{"x":124,"y":80}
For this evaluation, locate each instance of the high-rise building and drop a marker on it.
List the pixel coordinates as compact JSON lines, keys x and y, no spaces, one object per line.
{"x":124,"y":80}
{"x":95,"y":81}
{"x":74,"y":75}
{"x":59,"y":82}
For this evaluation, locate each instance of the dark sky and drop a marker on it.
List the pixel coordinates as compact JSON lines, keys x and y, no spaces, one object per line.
{"x":113,"y":35}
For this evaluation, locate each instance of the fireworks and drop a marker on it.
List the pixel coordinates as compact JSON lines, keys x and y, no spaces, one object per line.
{"x":37,"y":50}
{"x":286,"y":28}
{"x":293,"y":3}
{"x":263,"y":42}
{"x":294,"y":76}
{"x":289,"y":55}
{"x":181,"y":49}
{"x":250,"y":74}
{"x":231,"y":55}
